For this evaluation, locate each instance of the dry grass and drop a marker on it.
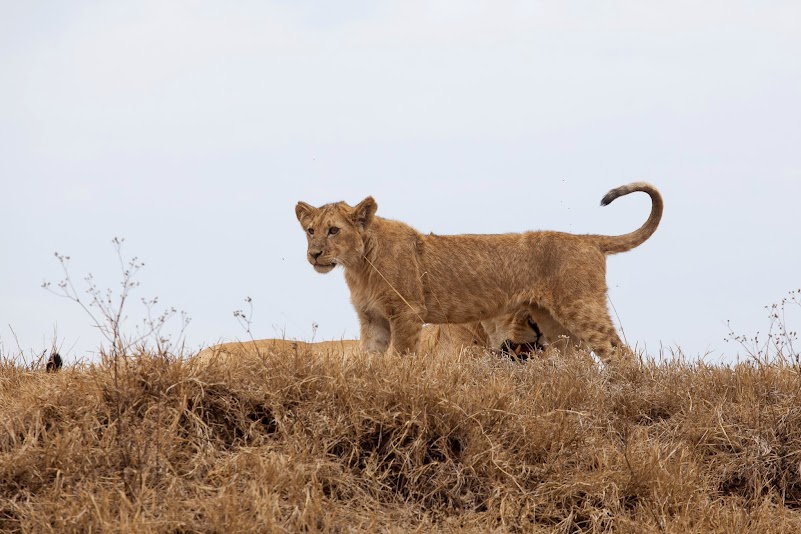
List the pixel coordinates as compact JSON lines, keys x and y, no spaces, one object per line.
{"x":301,"y":442}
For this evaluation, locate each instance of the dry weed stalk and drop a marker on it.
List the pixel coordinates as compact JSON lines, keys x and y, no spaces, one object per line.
{"x":107,"y":311}
{"x":780,"y":342}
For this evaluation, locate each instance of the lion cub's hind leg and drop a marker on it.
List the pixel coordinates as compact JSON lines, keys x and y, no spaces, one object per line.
{"x":555,"y":336}
{"x":589,"y":320}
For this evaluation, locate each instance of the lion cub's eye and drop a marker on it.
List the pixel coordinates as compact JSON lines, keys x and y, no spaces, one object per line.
{"x":310,"y":230}
{"x":333,"y":230}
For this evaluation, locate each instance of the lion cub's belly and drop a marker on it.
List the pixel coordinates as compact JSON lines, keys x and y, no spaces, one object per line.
{"x":468,"y":307}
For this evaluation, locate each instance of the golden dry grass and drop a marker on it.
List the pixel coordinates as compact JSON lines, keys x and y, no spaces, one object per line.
{"x":296,"y":441}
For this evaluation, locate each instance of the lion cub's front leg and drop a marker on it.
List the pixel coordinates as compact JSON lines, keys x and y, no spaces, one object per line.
{"x":374,"y":333}
{"x":406,"y":330}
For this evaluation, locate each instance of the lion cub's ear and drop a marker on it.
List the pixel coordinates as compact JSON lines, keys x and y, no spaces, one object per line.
{"x":304,"y":211}
{"x":364,"y":211}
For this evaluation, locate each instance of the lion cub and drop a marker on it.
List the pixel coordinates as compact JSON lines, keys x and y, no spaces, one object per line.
{"x":400,"y":279}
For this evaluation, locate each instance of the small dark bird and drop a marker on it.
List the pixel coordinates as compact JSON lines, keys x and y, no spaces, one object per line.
{"x":54,"y":363}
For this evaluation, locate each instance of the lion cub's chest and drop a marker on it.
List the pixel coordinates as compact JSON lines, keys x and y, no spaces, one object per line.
{"x":385,"y":297}
{"x":365,"y":298}
{"x":370,"y":306}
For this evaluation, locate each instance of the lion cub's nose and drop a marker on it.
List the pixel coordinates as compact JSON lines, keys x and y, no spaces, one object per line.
{"x":315,"y":255}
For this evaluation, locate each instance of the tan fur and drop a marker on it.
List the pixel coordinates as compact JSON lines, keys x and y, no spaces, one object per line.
{"x":244,"y":349}
{"x":450,"y":339}
{"x":515,"y":327}
{"x":443,"y":339}
{"x":400,"y":278}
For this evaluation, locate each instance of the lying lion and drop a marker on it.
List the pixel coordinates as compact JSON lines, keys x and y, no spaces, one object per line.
{"x":243,"y":349}
{"x":400,"y":279}
{"x":529,"y":330}
{"x":440,"y":339}
{"x":446,"y":339}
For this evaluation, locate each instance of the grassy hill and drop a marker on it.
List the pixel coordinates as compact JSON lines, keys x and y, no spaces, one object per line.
{"x":299,"y":441}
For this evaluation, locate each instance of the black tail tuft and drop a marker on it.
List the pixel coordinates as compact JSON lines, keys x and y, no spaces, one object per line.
{"x":609,"y":197}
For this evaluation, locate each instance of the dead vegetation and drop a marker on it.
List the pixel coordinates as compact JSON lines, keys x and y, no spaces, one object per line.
{"x":298,"y":441}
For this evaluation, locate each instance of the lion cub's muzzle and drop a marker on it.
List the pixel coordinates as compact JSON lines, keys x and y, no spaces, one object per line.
{"x":320,"y":263}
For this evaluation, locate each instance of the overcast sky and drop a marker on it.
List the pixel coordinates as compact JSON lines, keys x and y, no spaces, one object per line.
{"x":191,"y":129}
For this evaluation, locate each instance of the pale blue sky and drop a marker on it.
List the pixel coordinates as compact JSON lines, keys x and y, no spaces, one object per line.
{"x":193,"y":128}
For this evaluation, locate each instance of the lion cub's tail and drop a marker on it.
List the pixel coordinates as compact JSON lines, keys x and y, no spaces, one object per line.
{"x":622,"y":243}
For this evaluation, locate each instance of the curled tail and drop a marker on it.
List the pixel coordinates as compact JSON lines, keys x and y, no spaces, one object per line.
{"x":622,"y":243}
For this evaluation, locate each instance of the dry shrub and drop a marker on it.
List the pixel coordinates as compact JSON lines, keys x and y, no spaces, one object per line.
{"x":314,"y":442}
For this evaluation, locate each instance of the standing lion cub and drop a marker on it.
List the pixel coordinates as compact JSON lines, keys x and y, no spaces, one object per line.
{"x":400,"y":278}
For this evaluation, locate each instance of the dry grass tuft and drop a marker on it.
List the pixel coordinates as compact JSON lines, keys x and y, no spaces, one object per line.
{"x":301,"y":441}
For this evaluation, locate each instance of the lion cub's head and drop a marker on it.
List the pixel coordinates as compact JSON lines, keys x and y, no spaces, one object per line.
{"x":335,"y":232}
